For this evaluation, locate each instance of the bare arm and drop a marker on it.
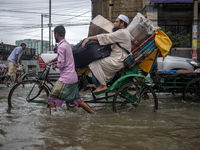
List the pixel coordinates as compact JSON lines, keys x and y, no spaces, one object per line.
{"x":20,"y":61}
{"x":53,"y":60}
{"x":16,"y":58}
{"x":87,"y":39}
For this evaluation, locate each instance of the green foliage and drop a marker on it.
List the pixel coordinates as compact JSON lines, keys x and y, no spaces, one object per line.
{"x":178,"y":40}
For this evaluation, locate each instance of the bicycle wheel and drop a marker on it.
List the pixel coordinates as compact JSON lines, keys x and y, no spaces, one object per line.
{"x":131,"y":94}
{"x":17,"y":97}
{"x":191,"y":91}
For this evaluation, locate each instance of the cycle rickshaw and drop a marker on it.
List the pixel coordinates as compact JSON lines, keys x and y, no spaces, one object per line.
{"x":130,"y":88}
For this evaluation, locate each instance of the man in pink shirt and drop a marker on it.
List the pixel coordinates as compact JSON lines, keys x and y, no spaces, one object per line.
{"x":66,"y":88}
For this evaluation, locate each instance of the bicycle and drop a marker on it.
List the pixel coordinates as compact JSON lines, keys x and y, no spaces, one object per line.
{"x":23,"y":75}
{"x":2,"y":78}
{"x":38,"y":88}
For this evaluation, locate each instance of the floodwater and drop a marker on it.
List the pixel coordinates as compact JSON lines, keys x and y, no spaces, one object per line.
{"x":175,"y":126}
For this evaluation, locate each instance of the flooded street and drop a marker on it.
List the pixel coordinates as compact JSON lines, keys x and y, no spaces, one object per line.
{"x":175,"y":126}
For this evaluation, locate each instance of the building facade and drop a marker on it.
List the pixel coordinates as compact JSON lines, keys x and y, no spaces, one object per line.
{"x":176,"y":16}
{"x":35,"y":44}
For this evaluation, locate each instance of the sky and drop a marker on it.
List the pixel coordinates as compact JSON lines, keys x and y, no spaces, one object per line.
{"x":21,"y":19}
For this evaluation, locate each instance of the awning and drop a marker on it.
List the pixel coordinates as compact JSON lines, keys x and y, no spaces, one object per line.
{"x":172,"y":1}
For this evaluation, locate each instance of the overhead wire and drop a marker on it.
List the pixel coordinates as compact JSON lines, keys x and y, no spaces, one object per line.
{"x":79,"y":16}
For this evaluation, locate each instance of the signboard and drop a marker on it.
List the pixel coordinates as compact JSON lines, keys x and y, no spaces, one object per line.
{"x":172,"y":1}
{"x":194,"y":31}
{"x":194,"y":41}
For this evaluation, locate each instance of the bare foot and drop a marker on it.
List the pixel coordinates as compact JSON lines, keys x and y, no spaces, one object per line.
{"x":134,"y":87}
{"x":52,"y":108}
{"x":99,"y":89}
{"x":92,"y":86}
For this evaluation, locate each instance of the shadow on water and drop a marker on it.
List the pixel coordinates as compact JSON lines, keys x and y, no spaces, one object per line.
{"x":176,"y":125}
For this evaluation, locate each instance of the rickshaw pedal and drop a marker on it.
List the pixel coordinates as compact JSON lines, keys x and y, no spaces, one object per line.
{"x":135,"y":104}
{"x":123,"y":104}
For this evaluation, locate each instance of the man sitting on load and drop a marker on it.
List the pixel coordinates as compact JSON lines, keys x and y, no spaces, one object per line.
{"x":104,"y":69}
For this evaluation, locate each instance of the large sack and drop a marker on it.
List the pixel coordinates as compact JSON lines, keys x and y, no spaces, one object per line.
{"x":141,"y":29}
{"x":100,"y":25}
{"x":91,"y":52}
{"x":163,"y":42}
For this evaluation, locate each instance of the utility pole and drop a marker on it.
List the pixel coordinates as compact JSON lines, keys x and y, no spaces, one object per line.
{"x":42,"y":41}
{"x":41,"y":33}
{"x":52,"y":40}
{"x":50,"y":25}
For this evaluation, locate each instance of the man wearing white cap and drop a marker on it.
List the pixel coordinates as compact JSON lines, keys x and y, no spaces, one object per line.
{"x":104,"y":69}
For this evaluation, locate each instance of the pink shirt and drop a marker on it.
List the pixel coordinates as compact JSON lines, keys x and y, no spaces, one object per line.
{"x":65,"y":63}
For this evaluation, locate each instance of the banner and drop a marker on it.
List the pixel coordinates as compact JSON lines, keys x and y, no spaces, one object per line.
{"x":194,"y":41}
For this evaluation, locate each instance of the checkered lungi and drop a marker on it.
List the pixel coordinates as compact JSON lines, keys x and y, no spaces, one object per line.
{"x":64,"y":92}
{"x":11,"y":68}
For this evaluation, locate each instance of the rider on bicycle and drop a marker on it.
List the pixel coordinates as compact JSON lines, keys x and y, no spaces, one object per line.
{"x":14,"y":61}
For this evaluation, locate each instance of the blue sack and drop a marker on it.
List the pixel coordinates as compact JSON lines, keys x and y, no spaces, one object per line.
{"x":171,"y":71}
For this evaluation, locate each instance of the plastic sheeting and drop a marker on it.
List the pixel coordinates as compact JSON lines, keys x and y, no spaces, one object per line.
{"x":141,"y":29}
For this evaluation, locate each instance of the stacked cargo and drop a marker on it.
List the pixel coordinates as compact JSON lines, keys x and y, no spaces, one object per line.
{"x":140,"y":29}
{"x":92,"y":50}
{"x":100,"y":25}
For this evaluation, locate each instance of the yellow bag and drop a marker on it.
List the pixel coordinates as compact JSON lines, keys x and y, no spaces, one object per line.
{"x":147,"y":63}
{"x":163,"y":42}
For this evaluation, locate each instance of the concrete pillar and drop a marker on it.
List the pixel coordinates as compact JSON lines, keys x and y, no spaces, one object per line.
{"x":151,"y":12}
{"x":110,"y":9}
{"x":102,"y":8}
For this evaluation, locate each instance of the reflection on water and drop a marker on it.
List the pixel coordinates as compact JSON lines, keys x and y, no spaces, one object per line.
{"x":176,"y":125}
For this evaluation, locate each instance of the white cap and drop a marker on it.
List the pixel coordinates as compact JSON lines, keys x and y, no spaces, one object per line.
{"x":124,"y":18}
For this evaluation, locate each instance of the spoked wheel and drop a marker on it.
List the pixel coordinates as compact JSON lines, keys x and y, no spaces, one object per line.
{"x":191,"y":91}
{"x":17,"y":97}
{"x":135,"y":94}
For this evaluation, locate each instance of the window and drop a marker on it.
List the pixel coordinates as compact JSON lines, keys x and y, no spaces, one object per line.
{"x":178,"y":28}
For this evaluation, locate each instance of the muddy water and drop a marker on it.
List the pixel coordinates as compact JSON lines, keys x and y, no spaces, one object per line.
{"x":176,"y":125}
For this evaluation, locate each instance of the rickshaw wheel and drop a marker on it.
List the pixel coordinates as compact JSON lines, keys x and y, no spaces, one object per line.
{"x":191,"y":91}
{"x":133,"y":93}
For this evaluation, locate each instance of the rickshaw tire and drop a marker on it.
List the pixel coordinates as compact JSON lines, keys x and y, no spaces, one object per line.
{"x":191,"y":91}
{"x":135,"y":83}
